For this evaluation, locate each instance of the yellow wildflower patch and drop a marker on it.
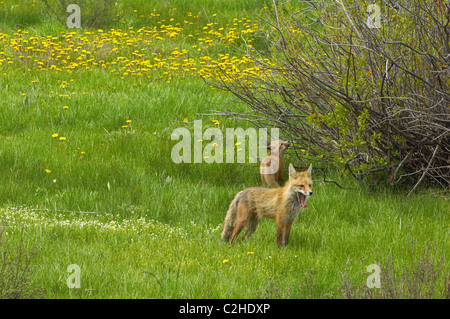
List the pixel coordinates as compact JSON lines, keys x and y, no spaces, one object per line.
{"x":136,"y":53}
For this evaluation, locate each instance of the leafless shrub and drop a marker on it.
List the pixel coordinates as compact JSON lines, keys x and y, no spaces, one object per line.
{"x":372,"y":101}
{"x":16,"y":271}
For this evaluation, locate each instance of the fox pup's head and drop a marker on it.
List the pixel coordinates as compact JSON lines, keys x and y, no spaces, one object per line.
{"x":301,"y":184}
{"x":278,"y":147}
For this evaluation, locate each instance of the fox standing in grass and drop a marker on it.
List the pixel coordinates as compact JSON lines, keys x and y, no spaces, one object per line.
{"x":281,"y":204}
{"x":271,"y":167}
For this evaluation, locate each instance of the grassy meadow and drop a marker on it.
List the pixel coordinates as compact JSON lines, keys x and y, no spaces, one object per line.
{"x":86,"y":175}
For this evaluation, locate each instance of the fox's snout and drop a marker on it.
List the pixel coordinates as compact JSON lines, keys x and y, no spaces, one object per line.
{"x":306,"y":193}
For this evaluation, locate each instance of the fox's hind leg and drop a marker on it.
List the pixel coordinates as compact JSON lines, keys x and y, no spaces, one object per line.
{"x":252,"y":224}
{"x":243,"y":215}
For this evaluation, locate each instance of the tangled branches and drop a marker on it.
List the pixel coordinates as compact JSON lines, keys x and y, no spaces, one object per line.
{"x":371,"y":99}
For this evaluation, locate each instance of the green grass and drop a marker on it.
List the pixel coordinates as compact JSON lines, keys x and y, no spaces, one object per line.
{"x":156,"y":230}
{"x":136,"y":258}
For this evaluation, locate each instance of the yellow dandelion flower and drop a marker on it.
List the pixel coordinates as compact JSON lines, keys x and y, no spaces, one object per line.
{"x":65,"y":107}
{"x":185,"y":120}
{"x":55,"y":135}
{"x":225,"y":261}
{"x":216,"y":122}
{"x":250,"y":253}
{"x":62,"y":138}
{"x":48,"y":171}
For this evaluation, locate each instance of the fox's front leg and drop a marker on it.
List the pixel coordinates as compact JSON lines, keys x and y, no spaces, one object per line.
{"x":283,"y":231}
{"x":286,"y":232}
{"x":280,"y":172}
{"x":280,"y":233}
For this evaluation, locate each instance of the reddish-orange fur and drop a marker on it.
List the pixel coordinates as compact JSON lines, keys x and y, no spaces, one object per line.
{"x":281,"y":204}
{"x":274,"y":159}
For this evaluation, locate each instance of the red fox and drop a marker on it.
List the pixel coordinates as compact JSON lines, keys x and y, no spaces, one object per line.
{"x":281,"y":204}
{"x":271,"y":167}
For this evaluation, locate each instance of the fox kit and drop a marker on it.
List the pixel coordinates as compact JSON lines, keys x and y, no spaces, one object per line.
{"x":281,"y":204}
{"x":271,"y":167}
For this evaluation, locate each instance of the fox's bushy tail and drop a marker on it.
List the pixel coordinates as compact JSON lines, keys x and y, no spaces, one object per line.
{"x":230,"y":219}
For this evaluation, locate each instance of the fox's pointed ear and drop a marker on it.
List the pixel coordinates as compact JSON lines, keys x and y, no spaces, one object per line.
{"x":292,"y":170}
{"x":309,"y":171}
